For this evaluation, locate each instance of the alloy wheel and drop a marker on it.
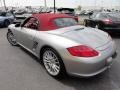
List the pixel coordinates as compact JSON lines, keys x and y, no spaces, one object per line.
{"x":11,"y":39}
{"x":51,"y":62}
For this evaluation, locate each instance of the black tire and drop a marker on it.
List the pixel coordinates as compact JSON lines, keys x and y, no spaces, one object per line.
{"x":13,"y":41}
{"x":62,"y":71}
{"x":6,"y":23}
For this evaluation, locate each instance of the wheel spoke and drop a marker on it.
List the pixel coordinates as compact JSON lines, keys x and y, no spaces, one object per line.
{"x":56,"y":68}
{"x":46,"y":61}
{"x":11,"y":38}
{"x":51,"y":62}
{"x":51,"y":68}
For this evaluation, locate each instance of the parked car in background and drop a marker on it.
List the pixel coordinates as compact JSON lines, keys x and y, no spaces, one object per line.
{"x":64,"y":46}
{"x":21,"y":17}
{"x":6,"y":18}
{"x":20,"y":12}
{"x":85,"y":12}
{"x":107,"y":21}
{"x":68,"y":11}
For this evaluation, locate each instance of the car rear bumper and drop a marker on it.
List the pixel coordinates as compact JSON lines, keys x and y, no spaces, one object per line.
{"x":95,"y":72}
{"x":87,"y":67}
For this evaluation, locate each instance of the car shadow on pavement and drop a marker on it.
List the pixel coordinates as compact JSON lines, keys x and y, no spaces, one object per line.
{"x":115,"y":36}
{"x":91,"y":83}
{"x":108,"y":80}
{"x":31,"y":55}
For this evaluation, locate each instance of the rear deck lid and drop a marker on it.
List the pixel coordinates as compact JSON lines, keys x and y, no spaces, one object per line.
{"x":87,"y":36}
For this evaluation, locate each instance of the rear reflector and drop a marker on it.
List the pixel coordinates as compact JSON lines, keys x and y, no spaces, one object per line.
{"x":82,"y":51}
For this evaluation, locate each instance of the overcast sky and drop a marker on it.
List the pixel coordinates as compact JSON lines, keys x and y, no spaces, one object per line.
{"x":63,"y":3}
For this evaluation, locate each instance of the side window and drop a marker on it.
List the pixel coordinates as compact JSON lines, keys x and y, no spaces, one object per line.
{"x":31,"y":23}
{"x":64,"y":22}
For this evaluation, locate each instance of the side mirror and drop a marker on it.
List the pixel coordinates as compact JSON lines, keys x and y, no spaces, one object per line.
{"x":17,"y":25}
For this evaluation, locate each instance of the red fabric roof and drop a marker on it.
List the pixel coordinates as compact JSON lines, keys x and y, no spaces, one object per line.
{"x":46,"y":20}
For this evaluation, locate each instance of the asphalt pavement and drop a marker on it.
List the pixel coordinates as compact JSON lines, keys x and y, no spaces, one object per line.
{"x":19,"y":70}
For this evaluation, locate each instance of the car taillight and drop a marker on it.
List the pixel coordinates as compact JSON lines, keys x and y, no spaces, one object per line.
{"x":107,"y":21}
{"x":82,"y":51}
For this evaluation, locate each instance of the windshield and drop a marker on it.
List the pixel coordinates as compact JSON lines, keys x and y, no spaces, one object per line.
{"x":65,"y":22}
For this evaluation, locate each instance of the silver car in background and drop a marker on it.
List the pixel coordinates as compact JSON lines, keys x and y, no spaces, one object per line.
{"x":63,"y":45}
{"x":6,"y":18}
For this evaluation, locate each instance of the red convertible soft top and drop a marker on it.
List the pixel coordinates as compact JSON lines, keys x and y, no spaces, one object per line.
{"x":46,"y":20}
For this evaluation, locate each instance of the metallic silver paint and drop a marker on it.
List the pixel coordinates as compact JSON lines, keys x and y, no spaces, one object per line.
{"x":68,"y":37}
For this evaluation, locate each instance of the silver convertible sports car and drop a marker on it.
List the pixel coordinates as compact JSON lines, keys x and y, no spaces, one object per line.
{"x":64,"y":46}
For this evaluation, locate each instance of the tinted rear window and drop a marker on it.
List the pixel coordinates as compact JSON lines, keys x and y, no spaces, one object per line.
{"x":65,"y":22}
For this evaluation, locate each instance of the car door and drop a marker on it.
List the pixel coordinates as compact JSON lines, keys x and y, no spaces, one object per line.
{"x":26,"y":33}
